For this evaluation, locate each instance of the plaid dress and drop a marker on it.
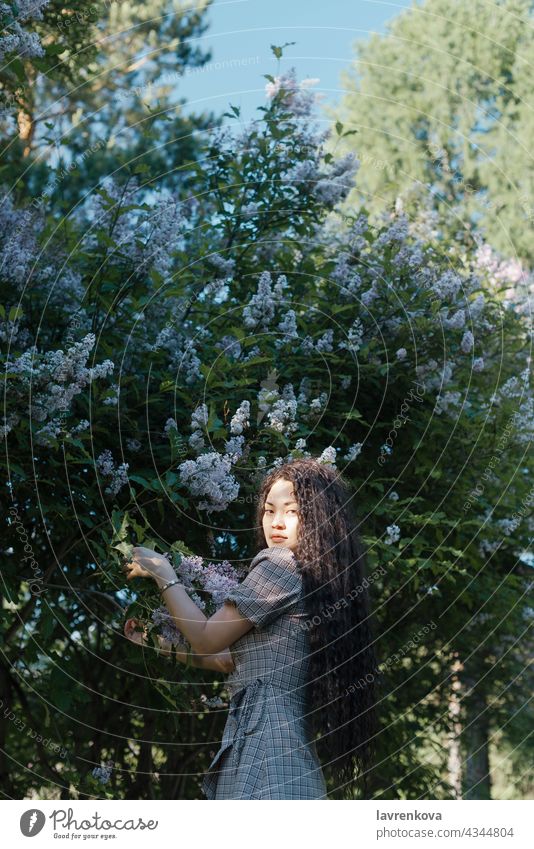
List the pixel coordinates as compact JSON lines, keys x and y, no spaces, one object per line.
{"x":266,"y":750}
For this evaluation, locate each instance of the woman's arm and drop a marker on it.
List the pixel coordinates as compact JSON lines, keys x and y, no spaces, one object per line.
{"x":220,"y":662}
{"x":205,"y":636}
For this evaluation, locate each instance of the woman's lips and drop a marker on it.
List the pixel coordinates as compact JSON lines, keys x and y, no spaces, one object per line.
{"x":277,"y":536}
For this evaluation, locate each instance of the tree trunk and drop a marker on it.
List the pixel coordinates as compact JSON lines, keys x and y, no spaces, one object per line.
{"x":454,"y":762}
{"x":475,"y":742}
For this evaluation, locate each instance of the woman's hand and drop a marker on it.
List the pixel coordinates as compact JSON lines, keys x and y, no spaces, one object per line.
{"x":147,"y":563}
{"x":134,"y":635}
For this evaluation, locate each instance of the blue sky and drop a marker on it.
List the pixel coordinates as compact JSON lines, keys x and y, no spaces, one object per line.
{"x":240,"y":35}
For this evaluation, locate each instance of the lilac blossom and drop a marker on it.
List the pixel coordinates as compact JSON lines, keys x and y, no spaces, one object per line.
{"x":288,"y":327}
{"x":103,"y":773}
{"x":240,"y":419}
{"x":260,"y":309}
{"x":468,"y":340}
{"x":106,"y":466}
{"x":328,"y":456}
{"x":295,"y":96}
{"x":392,"y":534}
{"x":353,"y":452}
{"x":54,"y":380}
{"x":210,"y":476}
{"x":230,"y":346}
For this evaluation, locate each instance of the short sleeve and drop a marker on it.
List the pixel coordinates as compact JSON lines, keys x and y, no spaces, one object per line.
{"x":269,"y":589}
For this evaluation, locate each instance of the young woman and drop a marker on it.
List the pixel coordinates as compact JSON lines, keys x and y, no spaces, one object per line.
{"x":295,"y":637}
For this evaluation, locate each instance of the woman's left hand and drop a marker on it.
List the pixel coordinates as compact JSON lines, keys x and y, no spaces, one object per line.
{"x":147,"y":563}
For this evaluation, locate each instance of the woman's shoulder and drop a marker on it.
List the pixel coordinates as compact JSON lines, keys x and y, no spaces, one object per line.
{"x":279,"y":555}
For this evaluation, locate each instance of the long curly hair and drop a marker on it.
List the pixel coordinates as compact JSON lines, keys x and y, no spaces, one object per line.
{"x":342,"y":688}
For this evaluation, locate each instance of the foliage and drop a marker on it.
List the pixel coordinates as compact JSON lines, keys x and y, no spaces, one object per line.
{"x":166,"y":345}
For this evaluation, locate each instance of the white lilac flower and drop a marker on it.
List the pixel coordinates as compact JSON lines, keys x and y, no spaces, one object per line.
{"x":393,"y":534}
{"x":295,"y":96}
{"x":401,"y":354}
{"x":328,"y":456}
{"x":197,"y":441}
{"x":304,"y":390}
{"x":410,"y":256}
{"x":170,"y":424}
{"x":133,"y":444}
{"x":355,"y":337}
{"x":487,"y":547}
{"x":18,"y":232}
{"x":47,"y":434}
{"x":306,"y":171}
{"x":210,"y":476}
{"x":240,"y":419}
{"x":288,"y":327}
{"x":338,"y":179}
{"x":393,"y":495}
{"x":282,"y":412}
{"x":199,"y":417}
{"x":250,"y":210}
{"x":280,"y":286}
{"x":475,"y":307}
{"x":429,"y":375}
{"x":230,"y":346}
{"x":456,"y":322}
{"x":508,"y":526}
{"x":478,"y":364}
{"x":106,"y":466}
{"x":468,"y":340}
{"x":307,"y":346}
{"x":216,"y":701}
{"x":324,"y":344}
{"x":234,"y":448}
{"x":166,"y":625}
{"x":369,"y":296}
{"x":165,"y":228}
{"x":188,"y":362}
{"x":103,"y":773}
{"x":515,"y":387}
{"x":448,"y":399}
{"x":318,"y":404}
{"x":300,"y":444}
{"x":225,"y":266}
{"x":345,"y":276}
{"x":82,"y":425}
{"x":447,"y":285}
{"x":55,"y":377}
{"x":255,"y":351}
{"x":396,"y":231}
{"x":524,"y":422}
{"x":259,"y":312}
{"x":113,"y":400}
{"x":353,"y":452}
{"x":346,"y":381}
{"x":9,"y":423}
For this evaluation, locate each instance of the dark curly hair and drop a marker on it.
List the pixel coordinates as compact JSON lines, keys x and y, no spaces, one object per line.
{"x":331,"y":558}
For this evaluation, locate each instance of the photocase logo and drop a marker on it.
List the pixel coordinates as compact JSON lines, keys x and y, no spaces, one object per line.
{"x":31,"y":822}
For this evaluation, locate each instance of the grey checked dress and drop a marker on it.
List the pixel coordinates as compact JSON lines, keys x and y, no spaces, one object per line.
{"x":266,"y":750}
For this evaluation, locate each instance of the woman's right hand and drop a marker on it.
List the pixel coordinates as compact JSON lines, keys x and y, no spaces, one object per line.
{"x":135,"y":636}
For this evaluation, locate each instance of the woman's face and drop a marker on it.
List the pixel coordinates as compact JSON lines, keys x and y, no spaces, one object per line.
{"x":280,"y":515}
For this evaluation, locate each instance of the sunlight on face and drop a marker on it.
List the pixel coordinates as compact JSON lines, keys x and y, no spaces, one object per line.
{"x":280,"y":515}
